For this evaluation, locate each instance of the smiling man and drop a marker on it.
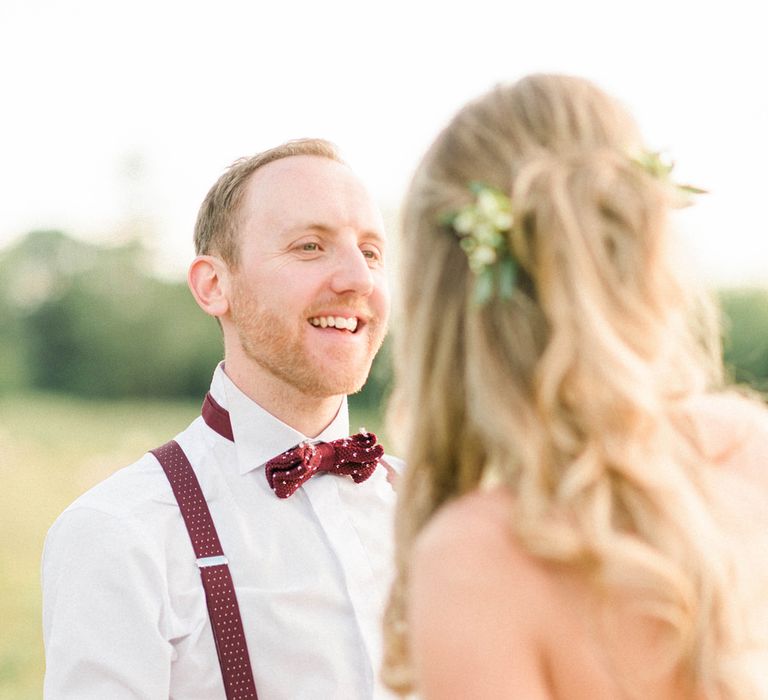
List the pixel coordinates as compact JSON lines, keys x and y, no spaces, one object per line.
{"x":251,"y":554}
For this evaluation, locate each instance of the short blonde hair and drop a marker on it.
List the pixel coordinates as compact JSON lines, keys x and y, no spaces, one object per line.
{"x":216,"y":229}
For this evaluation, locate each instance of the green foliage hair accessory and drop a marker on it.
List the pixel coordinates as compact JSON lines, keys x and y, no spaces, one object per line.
{"x":482,"y":228}
{"x":659,"y":166}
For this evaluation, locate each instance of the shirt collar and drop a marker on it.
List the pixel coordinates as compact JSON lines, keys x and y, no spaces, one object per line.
{"x":259,"y":436}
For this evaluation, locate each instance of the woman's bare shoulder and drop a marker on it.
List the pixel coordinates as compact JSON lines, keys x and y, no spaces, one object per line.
{"x":477,"y":524}
{"x":729,"y":405}
{"x":477,"y":601}
{"x":470,"y":542}
{"x":732,"y":430}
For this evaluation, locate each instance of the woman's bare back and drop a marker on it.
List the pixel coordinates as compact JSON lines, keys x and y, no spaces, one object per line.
{"x":491,"y":621}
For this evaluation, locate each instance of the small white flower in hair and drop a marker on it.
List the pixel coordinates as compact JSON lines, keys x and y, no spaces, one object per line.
{"x":482,"y":228}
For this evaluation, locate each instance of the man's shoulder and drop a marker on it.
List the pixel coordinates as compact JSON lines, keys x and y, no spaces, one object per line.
{"x":127,"y":491}
{"x":138,"y":491}
{"x":123,"y":507}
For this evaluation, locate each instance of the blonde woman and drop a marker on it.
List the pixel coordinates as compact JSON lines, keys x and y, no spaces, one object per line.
{"x":585,"y":510}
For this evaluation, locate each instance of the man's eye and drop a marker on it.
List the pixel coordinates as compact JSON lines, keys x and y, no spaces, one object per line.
{"x":371,"y":254}
{"x":310,"y":247}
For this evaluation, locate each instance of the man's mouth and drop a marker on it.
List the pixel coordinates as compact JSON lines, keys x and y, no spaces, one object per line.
{"x":342,"y":323}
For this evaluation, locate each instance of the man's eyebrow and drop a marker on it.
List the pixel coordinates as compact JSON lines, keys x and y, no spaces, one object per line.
{"x":370,"y":234}
{"x":325,"y":228}
{"x":307,"y":226}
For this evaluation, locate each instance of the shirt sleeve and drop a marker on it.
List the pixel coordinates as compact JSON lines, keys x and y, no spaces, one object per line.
{"x":103,"y":599}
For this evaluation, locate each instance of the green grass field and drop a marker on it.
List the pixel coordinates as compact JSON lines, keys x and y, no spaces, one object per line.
{"x":51,"y":450}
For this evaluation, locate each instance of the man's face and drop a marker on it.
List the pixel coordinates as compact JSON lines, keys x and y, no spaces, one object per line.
{"x":309,"y":299}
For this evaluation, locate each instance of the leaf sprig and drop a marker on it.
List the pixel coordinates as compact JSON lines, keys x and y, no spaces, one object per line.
{"x":660,"y":166}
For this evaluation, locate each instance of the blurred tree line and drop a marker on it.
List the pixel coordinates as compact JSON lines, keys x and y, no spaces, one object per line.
{"x":94,"y":321}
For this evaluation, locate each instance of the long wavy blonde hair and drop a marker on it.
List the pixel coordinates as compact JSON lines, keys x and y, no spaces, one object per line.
{"x":569,"y":393}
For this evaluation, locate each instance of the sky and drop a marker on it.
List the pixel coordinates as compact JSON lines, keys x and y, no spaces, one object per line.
{"x":118,"y":117}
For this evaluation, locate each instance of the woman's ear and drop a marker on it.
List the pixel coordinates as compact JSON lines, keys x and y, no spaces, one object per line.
{"x":208,"y":280}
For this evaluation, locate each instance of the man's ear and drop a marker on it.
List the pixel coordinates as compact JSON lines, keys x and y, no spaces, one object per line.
{"x":208,"y":280}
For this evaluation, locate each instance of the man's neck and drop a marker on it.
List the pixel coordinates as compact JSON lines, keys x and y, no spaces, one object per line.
{"x":310,"y":415}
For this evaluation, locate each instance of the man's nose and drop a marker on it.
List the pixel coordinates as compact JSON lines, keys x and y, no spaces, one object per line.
{"x":352,"y":273}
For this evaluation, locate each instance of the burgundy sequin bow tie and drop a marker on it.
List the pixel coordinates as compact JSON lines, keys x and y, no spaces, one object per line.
{"x":355,"y":456}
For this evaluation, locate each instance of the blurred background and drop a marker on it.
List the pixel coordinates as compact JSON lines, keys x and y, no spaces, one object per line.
{"x":117,"y":118}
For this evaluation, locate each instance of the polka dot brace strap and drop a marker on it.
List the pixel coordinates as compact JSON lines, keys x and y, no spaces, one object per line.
{"x":217,"y":581}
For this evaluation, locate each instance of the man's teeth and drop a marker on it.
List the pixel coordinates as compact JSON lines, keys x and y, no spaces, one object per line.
{"x":349,"y":324}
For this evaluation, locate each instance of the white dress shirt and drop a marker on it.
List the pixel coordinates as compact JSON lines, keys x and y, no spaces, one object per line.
{"x":124,"y":612}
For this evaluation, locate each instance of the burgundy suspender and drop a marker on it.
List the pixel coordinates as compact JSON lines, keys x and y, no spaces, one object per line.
{"x":217,"y":581}
{"x":219,"y":590}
